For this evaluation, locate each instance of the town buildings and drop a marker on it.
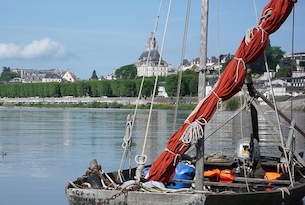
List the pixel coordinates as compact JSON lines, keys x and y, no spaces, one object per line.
{"x":42,"y":76}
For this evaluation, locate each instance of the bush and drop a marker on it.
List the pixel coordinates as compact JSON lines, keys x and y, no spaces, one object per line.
{"x":232,"y":104}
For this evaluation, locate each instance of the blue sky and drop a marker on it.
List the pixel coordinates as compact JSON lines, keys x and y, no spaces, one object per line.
{"x":103,"y":35}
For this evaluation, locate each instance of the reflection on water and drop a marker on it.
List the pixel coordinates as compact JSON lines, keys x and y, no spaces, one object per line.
{"x":44,"y":148}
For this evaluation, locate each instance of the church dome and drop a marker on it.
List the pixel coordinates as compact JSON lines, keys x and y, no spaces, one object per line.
{"x":153,"y":56}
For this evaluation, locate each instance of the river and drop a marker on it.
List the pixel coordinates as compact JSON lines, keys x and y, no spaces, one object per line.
{"x":41,"y":149}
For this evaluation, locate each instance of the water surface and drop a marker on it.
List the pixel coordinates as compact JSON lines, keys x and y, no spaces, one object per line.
{"x":41,"y":149}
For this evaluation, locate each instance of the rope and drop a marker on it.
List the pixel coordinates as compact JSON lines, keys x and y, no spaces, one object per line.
{"x":126,"y":144}
{"x":156,"y":79}
{"x":218,"y":37}
{"x":292,"y":52}
{"x":255,"y":10}
{"x":219,"y":100}
{"x":142,"y":82}
{"x":240,"y":60}
{"x":126,"y":141}
{"x":249,"y":34}
{"x":282,"y":168}
{"x":128,"y":130}
{"x":193,"y":132}
{"x":264,"y":17}
{"x":284,"y":190}
{"x":181,"y":61}
{"x":176,"y":156}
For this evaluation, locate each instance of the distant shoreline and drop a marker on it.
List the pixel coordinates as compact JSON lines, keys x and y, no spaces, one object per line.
{"x":129,"y":102}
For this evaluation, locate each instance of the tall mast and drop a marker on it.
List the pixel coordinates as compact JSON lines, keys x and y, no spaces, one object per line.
{"x":202,"y":90}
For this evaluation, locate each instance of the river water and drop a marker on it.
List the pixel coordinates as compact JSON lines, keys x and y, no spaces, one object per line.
{"x":41,"y":149}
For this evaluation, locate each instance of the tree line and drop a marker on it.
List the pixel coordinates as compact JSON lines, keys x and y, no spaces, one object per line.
{"x":116,"y":88}
{"x":99,"y":88}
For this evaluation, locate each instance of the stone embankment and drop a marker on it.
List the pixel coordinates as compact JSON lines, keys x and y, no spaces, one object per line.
{"x":296,"y":103}
{"x":69,"y":100}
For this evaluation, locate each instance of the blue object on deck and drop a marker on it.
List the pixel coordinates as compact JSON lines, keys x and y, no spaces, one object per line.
{"x":182,"y":171}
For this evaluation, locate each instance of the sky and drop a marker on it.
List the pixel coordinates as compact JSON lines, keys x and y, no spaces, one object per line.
{"x":103,"y":35}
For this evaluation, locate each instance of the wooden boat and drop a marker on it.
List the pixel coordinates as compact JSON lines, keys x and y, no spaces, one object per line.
{"x":222,"y":182}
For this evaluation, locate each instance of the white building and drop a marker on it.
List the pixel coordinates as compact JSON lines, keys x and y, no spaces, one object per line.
{"x":148,"y":63}
{"x":51,"y":78}
{"x":161,"y":90}
{"x":69,"y":76}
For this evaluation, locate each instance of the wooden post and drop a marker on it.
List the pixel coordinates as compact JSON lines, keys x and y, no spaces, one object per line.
{"x":254,"y":116}
{"x":202,"y":91}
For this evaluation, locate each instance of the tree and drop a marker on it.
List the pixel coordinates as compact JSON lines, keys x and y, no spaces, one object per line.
{"x":227,"y":61}
{"x":284,"y":72}
{"x":188,"y":76}
{"x":148,"y":86}
{"x":94,"y":76}
{"x":171,"y":85}
{"x":104,"y":88}
{"x":127,"y":88}
{"x":126,"y":72}
{"x":193,"y":87}
{"x":274,"y":54}
{"x":7,"y":75}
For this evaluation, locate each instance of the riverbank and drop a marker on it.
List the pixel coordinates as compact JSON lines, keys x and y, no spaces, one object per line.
{"x":99,"y":102}
{"x":186,"y":103}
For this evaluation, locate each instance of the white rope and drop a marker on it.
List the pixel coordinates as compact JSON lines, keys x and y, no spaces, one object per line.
{"x":128,"y":131}
{"x":245,"y":174}
{"x":284,"y":190}
{"x":193,"y":132}
{"x":255,"y":10}
{"x":126,"y":143}
{"x":218,"y":37}
{"x":219,"y":102}
{"x":109,"y":178}
{"x":264,"y":17}
{"x":177,"y":156}
{"x":141,"y":87}
{"x":156,"y":79}
{"x":249,"y":34}
{"x":240,"y":60}
{"x":181,"y":62}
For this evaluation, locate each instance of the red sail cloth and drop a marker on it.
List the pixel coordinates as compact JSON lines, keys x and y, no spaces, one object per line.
{"x":229,"y":84}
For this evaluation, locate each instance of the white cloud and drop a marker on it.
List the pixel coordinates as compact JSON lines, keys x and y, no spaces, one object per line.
{"x":36,"y":49}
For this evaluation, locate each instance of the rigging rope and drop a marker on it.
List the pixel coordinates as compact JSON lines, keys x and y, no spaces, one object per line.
{"x":263,"y":18}
{"x":141,"y":159}
{"x":181,"y":61}
{"x":156,"y":79}
{"x":218,"y":37}
{"x":131,"y":124}
{"x":126,"y":143}
{"x":292,"y":51}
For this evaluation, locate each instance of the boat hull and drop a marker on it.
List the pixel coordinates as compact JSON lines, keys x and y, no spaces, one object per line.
{"x":292,"y":195}
{"x":98,"y":197}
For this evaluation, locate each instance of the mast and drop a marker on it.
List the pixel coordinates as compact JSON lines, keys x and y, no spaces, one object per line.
{"x":254,"y":116}
{"x":202,"y":90}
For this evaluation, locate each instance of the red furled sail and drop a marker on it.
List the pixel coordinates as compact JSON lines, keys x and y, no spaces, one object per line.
{"x":230,"y":82}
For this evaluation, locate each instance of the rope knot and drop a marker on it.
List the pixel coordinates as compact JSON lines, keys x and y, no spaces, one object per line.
{"x":250,"y":34}
{"x":284,"y":190}
{"x":219,"y":102}
{"x":267,"y":13}
{"x":240,"y":60}
{"x":193,"y":132}
{"x":177,"y":156}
